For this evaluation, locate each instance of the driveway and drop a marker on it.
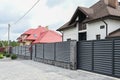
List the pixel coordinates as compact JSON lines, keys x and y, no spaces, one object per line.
{"x":30,"y":70}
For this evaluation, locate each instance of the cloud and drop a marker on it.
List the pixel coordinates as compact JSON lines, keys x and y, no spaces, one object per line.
{"x":52,"y":3}
{"x":52,"y":13}
{"x":9,"y":13}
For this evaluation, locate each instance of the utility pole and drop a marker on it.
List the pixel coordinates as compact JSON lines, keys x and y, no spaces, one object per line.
{"x":8,"y":38}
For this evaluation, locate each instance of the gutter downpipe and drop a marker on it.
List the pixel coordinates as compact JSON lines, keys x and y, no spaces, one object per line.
{"x":106,"y":26}
{"x":62,"y":35}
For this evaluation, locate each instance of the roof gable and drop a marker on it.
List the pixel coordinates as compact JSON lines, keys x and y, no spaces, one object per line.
{"x":81,"y":13}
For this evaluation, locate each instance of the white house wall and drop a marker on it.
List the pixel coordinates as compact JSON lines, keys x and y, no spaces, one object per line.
{"x":113,"y":25}
{"x":70,"y":33}
{"x":93,"y":28}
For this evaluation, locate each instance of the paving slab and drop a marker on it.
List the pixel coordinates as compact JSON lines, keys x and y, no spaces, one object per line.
{"x":31,"y":70}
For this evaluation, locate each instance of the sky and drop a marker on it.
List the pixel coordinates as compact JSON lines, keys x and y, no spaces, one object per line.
{"x":51,"y":13}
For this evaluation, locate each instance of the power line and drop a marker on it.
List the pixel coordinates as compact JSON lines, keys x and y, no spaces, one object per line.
{"x":27,"y":12}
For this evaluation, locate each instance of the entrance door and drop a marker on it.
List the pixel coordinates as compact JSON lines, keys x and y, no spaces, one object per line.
{"x":82,"y":36}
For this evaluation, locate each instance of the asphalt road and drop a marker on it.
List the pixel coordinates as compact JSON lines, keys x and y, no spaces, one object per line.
{"x":30,"y":70}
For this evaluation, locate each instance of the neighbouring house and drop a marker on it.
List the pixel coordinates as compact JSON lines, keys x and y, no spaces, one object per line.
{"x":96,"y":22}
{"x":22,"y":39}
{"x":39,"y":35}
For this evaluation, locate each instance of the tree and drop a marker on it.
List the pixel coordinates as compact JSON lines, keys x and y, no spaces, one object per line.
{"x":5,"y":43}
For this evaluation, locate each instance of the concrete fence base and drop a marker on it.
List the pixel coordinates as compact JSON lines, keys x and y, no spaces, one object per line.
{"x":55,"y":63}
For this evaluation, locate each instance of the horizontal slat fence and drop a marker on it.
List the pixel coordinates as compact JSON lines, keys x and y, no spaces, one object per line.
{"x":57,"y":54}
{"x":53,"y":53}
{"x":22,"y":51}
{"x":102,"y":56}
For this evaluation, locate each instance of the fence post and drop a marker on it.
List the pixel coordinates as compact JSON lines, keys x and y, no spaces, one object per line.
{"x":54,"y":51}
{"x":35,"y":51}
{"x":43,"y":52}
{"x":24,"y":52}
{"x":20,"y":50}
{"x":112,"y":57}
{"x":73,"y":55}
{"x":15,"y":50}
{"x":31,"y":51}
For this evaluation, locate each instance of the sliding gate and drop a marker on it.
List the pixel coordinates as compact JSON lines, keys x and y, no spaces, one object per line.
{"x":99,"y":56}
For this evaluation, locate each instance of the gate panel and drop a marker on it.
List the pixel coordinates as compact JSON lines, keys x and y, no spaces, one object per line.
{"x":117,"y":58}
{"x":84,"y":60}
{"x":103,"y":57}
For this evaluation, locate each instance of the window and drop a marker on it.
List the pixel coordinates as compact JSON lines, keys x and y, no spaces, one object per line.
{"x":82,"y":27}
{"x":102,"y":27}
{"x":35,"y":35}
{"x":98,"y":37}
{"x":69,"y":39}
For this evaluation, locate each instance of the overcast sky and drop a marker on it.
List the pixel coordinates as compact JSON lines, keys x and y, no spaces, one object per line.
{"x":52,"y":13}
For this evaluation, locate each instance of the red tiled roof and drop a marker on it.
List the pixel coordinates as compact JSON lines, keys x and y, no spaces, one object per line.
{"x":48,"y":37}
{"x":42,"y":35}
{"x":30,"y":31}
{"x":36,"y":33}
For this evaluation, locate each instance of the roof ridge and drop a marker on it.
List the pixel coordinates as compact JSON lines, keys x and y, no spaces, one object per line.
{"x":95,"y":4}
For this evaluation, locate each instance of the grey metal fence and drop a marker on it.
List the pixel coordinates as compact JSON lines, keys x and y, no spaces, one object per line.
{"x":22,"y":51}
{"x":99,"y":56}
{"x":53,"y":53}
{"x":102,"y":56}
{"x":58,"y":54}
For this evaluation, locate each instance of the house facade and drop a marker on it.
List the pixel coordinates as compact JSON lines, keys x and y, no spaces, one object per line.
{"x":22,"y":38}
{"x":93,"y":23}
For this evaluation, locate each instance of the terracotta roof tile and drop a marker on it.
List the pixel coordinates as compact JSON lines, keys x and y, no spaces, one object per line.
{"x":30,"y":31}
{"x":36,"y":33}
{"x":48,"y":37}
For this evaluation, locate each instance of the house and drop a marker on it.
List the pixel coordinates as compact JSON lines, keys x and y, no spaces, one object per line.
{"x":39,"y":35}
{"x":93,"y":23}
{"x":22,"y":38}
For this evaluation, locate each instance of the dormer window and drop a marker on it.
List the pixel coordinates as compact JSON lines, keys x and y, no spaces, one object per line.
{"x":35,"y":35}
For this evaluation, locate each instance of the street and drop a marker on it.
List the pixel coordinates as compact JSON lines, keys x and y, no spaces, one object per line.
{"x":31,"y":70}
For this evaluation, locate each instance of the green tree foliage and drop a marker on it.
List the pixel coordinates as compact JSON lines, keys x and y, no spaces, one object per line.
{"x":5,"y":43}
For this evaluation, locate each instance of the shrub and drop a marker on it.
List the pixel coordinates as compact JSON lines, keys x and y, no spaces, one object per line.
{"x":1,"y":56}
{"x":4,"y":54}
{"x":1,"y":52}
{"x":7,"y":55}
{"x":13,"y":56}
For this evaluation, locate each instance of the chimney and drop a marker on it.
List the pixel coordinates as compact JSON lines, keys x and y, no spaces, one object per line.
{"x":39,"y":26}
{"x":113,"y":3}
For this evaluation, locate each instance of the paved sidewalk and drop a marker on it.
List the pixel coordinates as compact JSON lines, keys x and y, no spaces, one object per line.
{"x":30,"y":70}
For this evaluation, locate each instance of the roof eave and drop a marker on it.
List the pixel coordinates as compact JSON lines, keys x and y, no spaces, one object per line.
{"x":69,"y":26}
{"x":104,"y":17}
